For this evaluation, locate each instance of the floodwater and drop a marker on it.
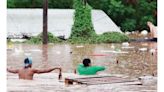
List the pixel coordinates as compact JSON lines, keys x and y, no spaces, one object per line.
{"x":136,"y":59}
{"x":133,"y":60}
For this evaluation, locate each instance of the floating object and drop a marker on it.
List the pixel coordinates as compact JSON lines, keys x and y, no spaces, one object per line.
{"x":70,"y":52}
{"x":121,"y":52}
{"x":144,"y":32}
{"x":127,"y":47}
{"x":117,"y":61}
{"x":127,"y":33}
{"x":112,"y":46}
{"x":133,"y":32}
{"x":18,"y":50}
{"x":100,"y":55}
{"x":152,"y":50}
{"x":80,"y":46}
{"x":117,"y":49}
{"x":94,"y":80}
{"x":18,"y":40}
{"x":27,"y":54}
{"x":112,"y":51}
{"x":36,"y":50}
{"x":143,"y":49}
{"x":146,"y":38}
{"x":144,"y":44}
{"x":125,"y":44}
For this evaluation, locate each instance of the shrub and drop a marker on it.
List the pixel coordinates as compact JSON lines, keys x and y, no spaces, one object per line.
{"x":82,"y":28}
{"x":128,"y":25}
{"x":108,"y":37}
{"x":112,"y":37}
{"x":38,"y":39}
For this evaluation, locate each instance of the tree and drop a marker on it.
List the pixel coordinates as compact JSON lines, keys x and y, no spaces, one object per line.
{"x":82,"y":26}
{"x":45,"y":33}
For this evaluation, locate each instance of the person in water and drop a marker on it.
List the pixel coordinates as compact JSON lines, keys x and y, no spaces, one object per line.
{"x":153,"y":31}
{"x":87,"y":69}
{"x":27,"y":71}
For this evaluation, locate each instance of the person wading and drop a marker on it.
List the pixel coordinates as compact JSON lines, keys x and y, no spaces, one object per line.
{"x":27,"y":72}
{"x":87,"y":69}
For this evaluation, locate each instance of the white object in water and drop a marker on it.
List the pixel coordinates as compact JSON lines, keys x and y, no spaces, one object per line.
{"x":144,"y":44}
{"x":27,"y":54}
{"x":18,"y":50}
{"x":18,"y":40}
{"x":127,"y":33}
{"x":80,"y":46}
{"x":125,"y":44}
{"x":152,"y":50}
{"x":143,"y":49}
{"x":112,"y":51}
{"x":133,"y":32}
{"x":144,"y":32}
{"x":121,"y":52}
{"x":112,"y":46}
{"x":127,"y":47}
{"x":36,"y":50}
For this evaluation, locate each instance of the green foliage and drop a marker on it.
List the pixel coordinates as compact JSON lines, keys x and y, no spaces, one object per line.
{"x":39,"y":3}
{"x":112,"y":37}
{"x":108,"y":37}
{"x":38,"y":39}
{"x":128,"y":25}
{"x":82,"y":28}
{"x":143,"y":21}
{"x":120,"y":11}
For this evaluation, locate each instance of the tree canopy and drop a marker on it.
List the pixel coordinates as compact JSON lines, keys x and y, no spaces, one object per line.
{"x":130,"y":15}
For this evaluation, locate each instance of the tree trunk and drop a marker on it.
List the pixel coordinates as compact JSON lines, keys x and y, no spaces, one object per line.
{"x":45,"y":11}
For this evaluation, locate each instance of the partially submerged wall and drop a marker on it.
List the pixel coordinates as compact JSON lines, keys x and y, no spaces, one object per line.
{"x":60,"y":21}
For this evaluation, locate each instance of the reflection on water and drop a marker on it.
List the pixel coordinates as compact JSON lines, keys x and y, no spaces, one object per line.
{"x":133,"y":63}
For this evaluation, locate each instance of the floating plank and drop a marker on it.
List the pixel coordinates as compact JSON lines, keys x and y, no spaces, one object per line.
{"x":99,"y":80}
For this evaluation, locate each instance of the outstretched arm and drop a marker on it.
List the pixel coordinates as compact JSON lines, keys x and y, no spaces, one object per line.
{"x":45,"y":70}
{"x":12,"y":70}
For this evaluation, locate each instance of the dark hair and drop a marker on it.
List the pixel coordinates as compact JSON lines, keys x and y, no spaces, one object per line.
{"x":27,"y":61}
{"x":86,"y":62}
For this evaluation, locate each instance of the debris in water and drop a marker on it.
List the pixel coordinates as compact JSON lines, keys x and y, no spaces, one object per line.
{"x":143,"y":49}
{"x":18,"y":40}
{"x":127,"y":47}
{"x":27,"y":54}
{"x":144,"y":32}
{"x":125,"y":44}
{"x":70,"y":52}
{"x":127,"y":33}
{"x":152,"y":50}
{"x":117,"y":61}
{"x":36,"y":50}
{"x":112,"y":51}
{"x":112,"y":46}
{"x":100,"y":55}
{"x":81,"y":46}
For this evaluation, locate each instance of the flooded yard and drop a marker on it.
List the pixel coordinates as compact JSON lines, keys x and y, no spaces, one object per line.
{"x":133,"y":60}
{"x":129,"y":59}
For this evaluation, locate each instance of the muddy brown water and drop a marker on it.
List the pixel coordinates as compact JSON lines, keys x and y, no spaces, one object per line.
{"x":133,"y":62}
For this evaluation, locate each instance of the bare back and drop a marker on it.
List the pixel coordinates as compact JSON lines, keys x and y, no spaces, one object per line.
{"x":26,"y":73}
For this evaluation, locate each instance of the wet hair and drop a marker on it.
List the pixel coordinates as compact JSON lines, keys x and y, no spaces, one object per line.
{"x":86,"y":62}
{"x":27,"y":61}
